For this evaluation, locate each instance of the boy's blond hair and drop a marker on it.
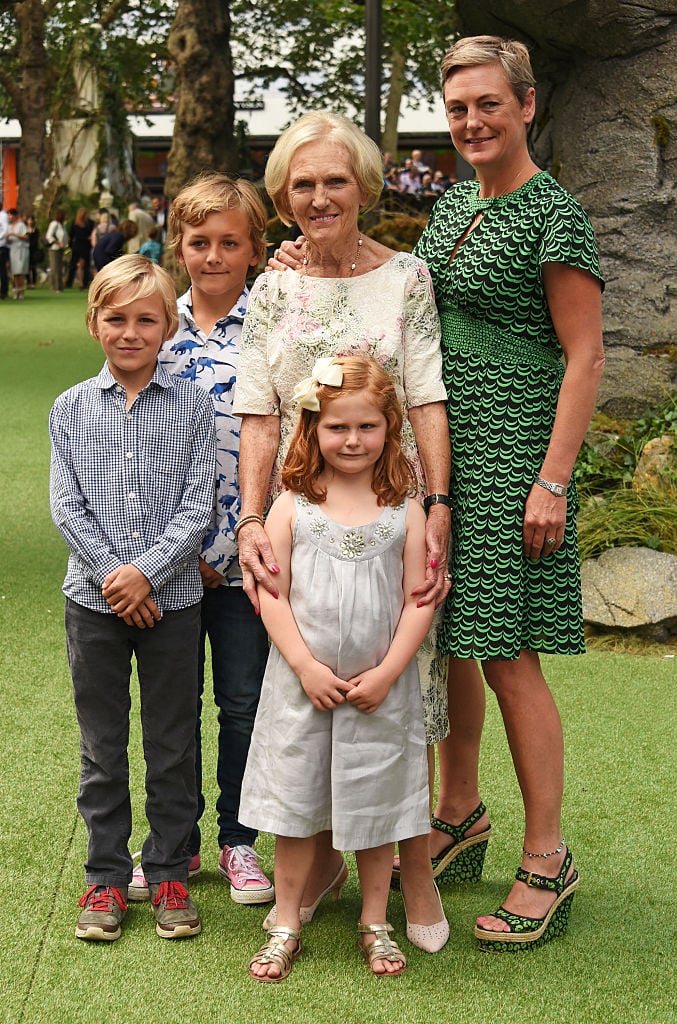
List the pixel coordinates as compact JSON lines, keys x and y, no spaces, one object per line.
{"x":214,"y":192}
{"x":142,"y":278}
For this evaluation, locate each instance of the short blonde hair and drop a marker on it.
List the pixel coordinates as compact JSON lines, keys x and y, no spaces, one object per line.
{"x":214,"y":192}
{"x":511,"y":55}
{"x":142,"y":278}
{"x":364,"y":154}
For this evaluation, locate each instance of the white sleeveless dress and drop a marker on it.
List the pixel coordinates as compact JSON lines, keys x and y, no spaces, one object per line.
{"x":364,"y":777}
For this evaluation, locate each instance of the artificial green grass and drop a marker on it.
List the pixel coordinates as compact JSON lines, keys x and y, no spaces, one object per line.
{"x":616,"y":963}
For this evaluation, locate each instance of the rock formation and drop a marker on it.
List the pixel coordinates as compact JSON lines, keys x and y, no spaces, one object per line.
{"x":632,"y":588}
{"x":606,"y":126}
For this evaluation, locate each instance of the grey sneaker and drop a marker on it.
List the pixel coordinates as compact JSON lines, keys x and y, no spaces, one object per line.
{"x":103,"y":910}
{"x":176,"y":916}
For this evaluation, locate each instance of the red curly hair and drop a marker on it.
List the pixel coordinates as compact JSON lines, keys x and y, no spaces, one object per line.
{"x":393,"y":478}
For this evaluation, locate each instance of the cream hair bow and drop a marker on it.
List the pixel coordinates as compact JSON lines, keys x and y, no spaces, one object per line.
{"x":325,"y":371}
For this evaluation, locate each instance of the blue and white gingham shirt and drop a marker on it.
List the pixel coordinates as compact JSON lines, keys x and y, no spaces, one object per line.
{"x":133,"y":486}
{"x":212,"y":363}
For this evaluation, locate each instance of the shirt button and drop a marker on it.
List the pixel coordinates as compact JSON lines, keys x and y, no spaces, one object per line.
{"x":136,"y":534}
{"x":129,"y":455}
{"x":119,"y":388}
{"x":131,"y":494}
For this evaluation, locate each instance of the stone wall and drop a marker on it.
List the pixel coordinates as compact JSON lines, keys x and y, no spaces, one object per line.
{"x":606,"y":126}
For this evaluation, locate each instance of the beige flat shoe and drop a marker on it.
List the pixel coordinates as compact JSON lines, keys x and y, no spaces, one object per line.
{"x":306,"y":914}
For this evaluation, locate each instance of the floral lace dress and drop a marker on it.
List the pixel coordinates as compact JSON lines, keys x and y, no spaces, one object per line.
{"x":389,"y":314}
{"x":364,"y":777}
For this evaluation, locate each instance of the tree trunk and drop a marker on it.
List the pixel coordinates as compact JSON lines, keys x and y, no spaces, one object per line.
{"x":199,"y":42}
{"x":389,"y":141}
{"x":31,"y":100}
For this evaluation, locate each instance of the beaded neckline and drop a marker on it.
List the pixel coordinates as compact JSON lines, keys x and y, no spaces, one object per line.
{"x":478,"y":205}
{"x":350,"y":542}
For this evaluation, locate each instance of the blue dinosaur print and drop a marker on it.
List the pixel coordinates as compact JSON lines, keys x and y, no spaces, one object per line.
{"x":185,"y":345}
{"x":212,"y":363}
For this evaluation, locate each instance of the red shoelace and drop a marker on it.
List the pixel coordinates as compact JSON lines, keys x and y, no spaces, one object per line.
{"x":100,"y":897}
{"x":173,"y":894}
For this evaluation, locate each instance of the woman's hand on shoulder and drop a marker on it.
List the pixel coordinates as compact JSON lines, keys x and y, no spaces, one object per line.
{"x":287,"y":256}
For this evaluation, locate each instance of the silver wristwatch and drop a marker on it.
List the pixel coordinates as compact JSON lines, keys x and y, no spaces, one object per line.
{"x":559,"y":490}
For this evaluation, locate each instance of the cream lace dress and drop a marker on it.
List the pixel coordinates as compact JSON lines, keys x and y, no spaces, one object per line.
{"x":390,"y":314}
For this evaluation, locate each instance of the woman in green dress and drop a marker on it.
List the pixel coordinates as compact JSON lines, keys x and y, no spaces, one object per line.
{"x":518,"y":287}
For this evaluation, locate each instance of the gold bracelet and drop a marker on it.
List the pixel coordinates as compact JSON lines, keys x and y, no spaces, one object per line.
{"x":252,"y":517}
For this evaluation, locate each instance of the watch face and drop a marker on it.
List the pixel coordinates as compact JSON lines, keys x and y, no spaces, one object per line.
{"x":559,"y":490}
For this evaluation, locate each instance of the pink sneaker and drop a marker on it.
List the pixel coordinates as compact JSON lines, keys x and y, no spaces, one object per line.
{"x":137,"y":891}
{"x":248,"y":884}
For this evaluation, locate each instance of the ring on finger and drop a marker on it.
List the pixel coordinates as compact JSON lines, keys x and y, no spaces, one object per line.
{"x":550,"y":541}
{"x":276,"y":253}
{"x":448,"y":577}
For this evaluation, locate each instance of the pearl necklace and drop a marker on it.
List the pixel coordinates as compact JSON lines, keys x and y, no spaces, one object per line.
{"x":353,"y":265}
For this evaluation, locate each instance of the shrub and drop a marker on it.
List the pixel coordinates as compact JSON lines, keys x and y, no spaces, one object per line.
{"x":627,"y":517}
{"x":609,"y":455}
{"x":400,"y":231}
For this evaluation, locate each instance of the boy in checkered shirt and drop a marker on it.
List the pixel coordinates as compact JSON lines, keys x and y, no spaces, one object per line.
{"x":131,"y":492}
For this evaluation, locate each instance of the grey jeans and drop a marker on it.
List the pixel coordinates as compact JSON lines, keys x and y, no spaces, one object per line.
{"x":100,"y":649}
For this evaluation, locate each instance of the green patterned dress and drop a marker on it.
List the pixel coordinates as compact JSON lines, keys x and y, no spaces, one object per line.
{"x":502,"y":367}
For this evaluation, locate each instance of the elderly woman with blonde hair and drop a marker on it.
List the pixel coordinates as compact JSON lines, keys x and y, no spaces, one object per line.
{"x":351,"y":295}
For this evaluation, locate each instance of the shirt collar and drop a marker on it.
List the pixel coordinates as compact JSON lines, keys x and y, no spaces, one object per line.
{"x":106,"y":381}
{"x":236,"y":314}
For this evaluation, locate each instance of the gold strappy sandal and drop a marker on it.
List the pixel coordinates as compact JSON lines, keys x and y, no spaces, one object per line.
{"x":275,"y":951}
{"x":382,"y":948}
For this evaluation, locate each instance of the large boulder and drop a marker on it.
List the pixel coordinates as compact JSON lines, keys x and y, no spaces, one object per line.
{"x":632,"y":588}
{"x":606,"y":126}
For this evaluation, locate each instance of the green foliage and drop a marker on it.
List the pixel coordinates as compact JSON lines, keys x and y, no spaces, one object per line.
{"x":608,"y":457}
{"x":613,"y":512}
{"x":645,"y":518}
{"x":315,"y":52}
{"x":627,"y":641}
{"x":276,"y":231}
{"x":121,"y":41}
{"x":400,"y":231}
{"x":661,"y":127}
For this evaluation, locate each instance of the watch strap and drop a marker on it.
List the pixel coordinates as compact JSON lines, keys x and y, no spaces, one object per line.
{"x":559,"y":490}
{"x":436,"y":499}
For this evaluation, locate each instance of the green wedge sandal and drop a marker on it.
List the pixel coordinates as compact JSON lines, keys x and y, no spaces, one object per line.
{"x":462,"y":860}
{"x":532,"y":932}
